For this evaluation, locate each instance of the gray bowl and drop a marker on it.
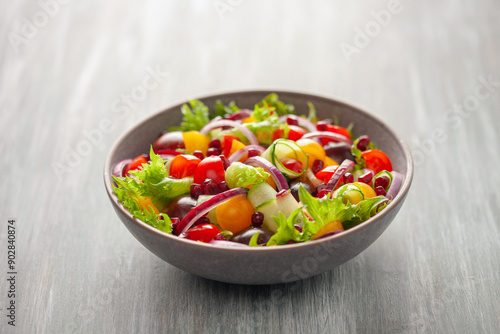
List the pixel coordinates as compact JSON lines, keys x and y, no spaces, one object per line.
{"x":263,"y":265}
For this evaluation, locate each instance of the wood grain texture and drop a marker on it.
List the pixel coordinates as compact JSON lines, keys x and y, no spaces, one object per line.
{"x":436,"y":269}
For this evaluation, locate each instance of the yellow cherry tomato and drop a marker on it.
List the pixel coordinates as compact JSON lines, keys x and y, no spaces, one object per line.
{"x":330,"y":162}
{"x":366,"y":189}
{"x":235,"y":214}
{"x":249,"y":119}
{"x":313,"y":149}
{"x":335,"y":225}
{"x":196,"y":141}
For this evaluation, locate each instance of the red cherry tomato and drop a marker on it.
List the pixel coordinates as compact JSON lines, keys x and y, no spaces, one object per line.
{"x":227,"y":143}
{"x":183,"y":165}
{"x":326,"y":173}
{"x":203,"y":232}
{"x":136,"y":164}
{"x":377,"y":161}
{"x":292,"y":164}
{"x":335,"y":129}
{"x":295,"y":133}
{"x":210,"y":168}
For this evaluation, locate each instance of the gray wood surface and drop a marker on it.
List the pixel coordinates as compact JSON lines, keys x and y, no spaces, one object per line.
{"x":435,"y":270}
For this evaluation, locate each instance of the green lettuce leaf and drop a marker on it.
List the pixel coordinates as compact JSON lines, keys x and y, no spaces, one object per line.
{"x":194,"y":117}
{"x":280,"y":107}
{"x":286,"y":230}
{"x":220,"y":109}
{"x":241,"y":175}
{"x":312,"y":113}
{"x":365,"y":210}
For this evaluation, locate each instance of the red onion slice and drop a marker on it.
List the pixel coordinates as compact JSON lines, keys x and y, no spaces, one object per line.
{"x":303,"y":122}
{"x":118,"y":168}
{"x":239,"y":115}
{"x":344,"y":167}
{"x":224,"y":243}
{"x":269,"y":167}
{"x":397,"y":180}
{"x":245,"y":131}
{"x":241,"y":152}
{"x":202,"y":209}
{"x":328,"y":135}
{"x":165,"y":154}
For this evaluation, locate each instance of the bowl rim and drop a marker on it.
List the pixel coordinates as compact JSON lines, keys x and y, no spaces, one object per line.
{"x":408,"y":177}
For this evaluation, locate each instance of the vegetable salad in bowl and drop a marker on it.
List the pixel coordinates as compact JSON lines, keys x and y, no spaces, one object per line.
{"x":263,"y":177}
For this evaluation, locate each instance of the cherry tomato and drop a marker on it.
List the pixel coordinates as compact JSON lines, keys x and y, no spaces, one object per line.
{"x":335,"y":225}
{"x":377,"y":161}
{"x":210,"y":168}
{"x":235,"y":214}
{"x":203,"y":232}
{"x":326,"y":173}
{"x":335,"y":129}
{"x":368,"y":191}
{"x":295,"y":133}
{"x":183,"y":165}
{"x":292,"y":164}
{"x":227,"y":144}
{"x":136,"y":164}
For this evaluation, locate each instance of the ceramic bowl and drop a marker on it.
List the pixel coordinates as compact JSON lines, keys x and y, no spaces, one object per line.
{"x":263,"y":265}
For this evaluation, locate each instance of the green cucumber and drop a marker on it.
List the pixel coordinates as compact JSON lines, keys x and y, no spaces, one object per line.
{"x":261,"y":193}
{"x":282,"y":149}
{"x":350,"y":192}
{"x":287,"y":203}
{"x":269,"y":209}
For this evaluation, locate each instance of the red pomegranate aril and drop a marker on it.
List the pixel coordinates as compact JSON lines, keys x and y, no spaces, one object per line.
{"x":221,"y":187}
{"x":199,"y":155}
{"x":382,"y":181}
{"x":317,"y":166}
{"x":292,"y":121}
{"x":209,"y":187}
{"x":257,"y":219}
{"x":322,"y":193}
{"x":366,"y":178}
{"x":220,"y":236}
{"x":363,"y":143}
{"x":215,"y":143}
{"x":253,"y":153}
{"x":348,"y":178}
{"x":196,"y":190}
{"x":380,"y":191}
{"x":321,"y":126}
{"x":225,"y":161}
{"x":213,"y":151}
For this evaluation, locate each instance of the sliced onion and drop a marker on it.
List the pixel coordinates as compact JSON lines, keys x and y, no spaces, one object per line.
{"x":303,"y":122}
{"x":240,"y":114}
{"x":310,"y":178}
{"x":202,"y":209}
{"x":269,"y":167}
{"x":344,"y":167}
{"x":119,"y":166}
{"x":328,"y":135}
{"x":397,"y":180}
{"x":241,"y":152}
{"x":166,"y":154}
{"x":245,"y":131}
{"x":224,"y":243}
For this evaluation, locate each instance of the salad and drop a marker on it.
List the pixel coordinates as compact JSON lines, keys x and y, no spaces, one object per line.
{"x":263,"y":177}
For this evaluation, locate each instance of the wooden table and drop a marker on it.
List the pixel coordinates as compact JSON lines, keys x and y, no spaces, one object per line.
{"x":430,"y":68}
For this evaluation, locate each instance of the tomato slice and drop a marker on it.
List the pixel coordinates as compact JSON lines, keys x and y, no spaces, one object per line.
{"x":335,"y":129}
{"x":183,"y":165}
{"x":227,"y":143}
{"x":136,"y":164}
{"x":377,"y":161}
{"x":326,"y":173}
{"x":203,"y":232}
{"x":292,"y":164}
{"x":210,"y":168}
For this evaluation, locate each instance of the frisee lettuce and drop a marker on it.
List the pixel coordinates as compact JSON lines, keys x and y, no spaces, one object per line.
{"x":280,"y":107}
{"x":286,"y":229}
{"x":195,"y":116}
{"x":221,"y":109}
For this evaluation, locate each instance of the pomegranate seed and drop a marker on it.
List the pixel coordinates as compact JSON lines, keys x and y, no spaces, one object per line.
{"x":292,"y":121}
{"x":196,"y":190}
{"x":221,"y":187}
{"x":253,"y":153}
{"x":380,"y":191}
{"x":317,"y":166}
{"x":199,"y":155}
{"x":257,"y":219}
{"x":348,"y":178}
{"x":225,"y":161}
{"x":214,"y":143}
{"x":220,"y":236}
{"x":366,"y":178}
{"x":320,"y":188}
{"x":209,"y":187}
{"x":382,"y":181}
{"x":323,"y":193}
{"x":213,"y":151}
{"x":321,"y":126}
{"x":363,"y":143}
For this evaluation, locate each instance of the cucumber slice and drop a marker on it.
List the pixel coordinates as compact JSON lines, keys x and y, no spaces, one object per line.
{"x":287,"y":203}
{"x":282,"y":149}
{"x":269,"y":209}
{"x":261,"y":193}
{"x":350,"y":192}
{"x":383,"y":173}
